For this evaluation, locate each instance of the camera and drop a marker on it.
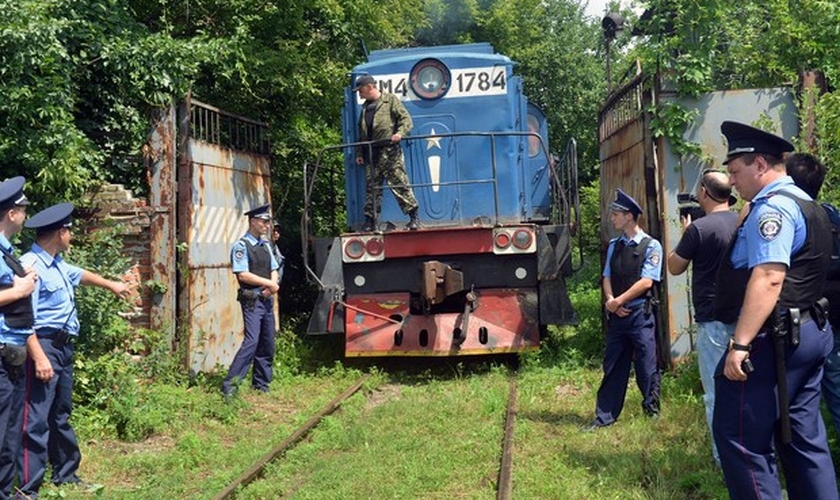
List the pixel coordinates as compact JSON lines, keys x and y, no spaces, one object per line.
{"x":689,"y":206}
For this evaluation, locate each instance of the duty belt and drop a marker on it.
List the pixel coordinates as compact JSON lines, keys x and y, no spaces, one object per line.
{"x":59,"y":338}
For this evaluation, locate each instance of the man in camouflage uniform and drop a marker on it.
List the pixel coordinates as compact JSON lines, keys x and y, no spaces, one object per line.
{"x":384,"y":118}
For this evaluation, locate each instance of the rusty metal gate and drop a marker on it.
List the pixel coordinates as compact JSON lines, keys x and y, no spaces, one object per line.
{"x":628,"y":161}
{"x":653,"y":173}
{"x":200,"y":189}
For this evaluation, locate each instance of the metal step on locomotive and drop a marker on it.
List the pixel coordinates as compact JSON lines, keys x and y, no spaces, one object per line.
{"x":485,"y":272}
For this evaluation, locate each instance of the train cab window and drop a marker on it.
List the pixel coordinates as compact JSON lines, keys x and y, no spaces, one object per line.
{"x":533,"y":141}
{"x":430,"y":79}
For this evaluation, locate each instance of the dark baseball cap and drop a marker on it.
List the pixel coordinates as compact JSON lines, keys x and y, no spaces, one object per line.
{"x":362,"y":81}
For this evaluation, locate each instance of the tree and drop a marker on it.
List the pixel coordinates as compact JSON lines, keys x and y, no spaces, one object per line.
{"x":77,"y":79}
{"x":718,"y":45}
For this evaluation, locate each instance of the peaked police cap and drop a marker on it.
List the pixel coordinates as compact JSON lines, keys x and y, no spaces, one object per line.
{"x":11,"y":193}
{"x":53,"y":217}
{"x":259,"y":213}
{"x":625,"y":203}
{"x":743,"y":139}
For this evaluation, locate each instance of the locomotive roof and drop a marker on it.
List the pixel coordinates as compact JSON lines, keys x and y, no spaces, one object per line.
{"x":415,"y":52}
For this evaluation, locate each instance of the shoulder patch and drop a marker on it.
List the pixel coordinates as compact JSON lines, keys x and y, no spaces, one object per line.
{"x":654,"y":258}
{"x":769,"y":225}
{"x":239,"y":254}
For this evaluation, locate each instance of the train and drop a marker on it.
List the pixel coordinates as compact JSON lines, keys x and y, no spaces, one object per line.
{"x":486,"y":271}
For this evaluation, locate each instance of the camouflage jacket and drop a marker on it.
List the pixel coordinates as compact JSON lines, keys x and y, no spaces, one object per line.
{"x":390,"y":118}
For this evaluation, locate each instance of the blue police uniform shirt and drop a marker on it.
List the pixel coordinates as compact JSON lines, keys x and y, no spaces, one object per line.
{"x":55,"y":294}
{"x":652,"y":266}
{"x":239,"y":253}
{"x":9,"y":335}
{"x":775,"y":228}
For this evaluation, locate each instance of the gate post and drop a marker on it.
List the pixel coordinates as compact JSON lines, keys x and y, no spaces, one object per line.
{"x":159,"y":156}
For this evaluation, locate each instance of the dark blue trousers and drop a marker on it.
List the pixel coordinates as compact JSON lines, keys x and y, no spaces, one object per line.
{"x":47,"y":433}
{"x":257,"y":347}
{"x":11,"y":416}
{"x":746,"y":422}
{"x":629,"y":339}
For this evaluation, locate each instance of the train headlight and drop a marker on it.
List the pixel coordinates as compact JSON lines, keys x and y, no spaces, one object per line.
{"x":354,"y":249}
{"x":374,"y":247}
{"x":514,"y":240}
{"x":522,"y":239}
{"x":363,"y":248}
{"x":430,"y":79}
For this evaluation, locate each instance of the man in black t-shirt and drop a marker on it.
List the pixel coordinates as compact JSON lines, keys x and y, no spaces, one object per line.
{"x":704,"y":243}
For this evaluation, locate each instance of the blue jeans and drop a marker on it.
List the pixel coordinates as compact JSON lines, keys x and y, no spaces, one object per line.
{"x":712,"y":342}
{"x":831,"y":381}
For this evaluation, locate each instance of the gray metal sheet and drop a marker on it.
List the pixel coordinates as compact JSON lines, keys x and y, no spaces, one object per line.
{"x":224,"y":184}
{"x":681,"y":174}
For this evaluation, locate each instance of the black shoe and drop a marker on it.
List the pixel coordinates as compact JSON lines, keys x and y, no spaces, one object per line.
{"x":413,"y":224}
{"x":369,"y":225}
{"x":82,"y":485}
{"x":594,"y":426}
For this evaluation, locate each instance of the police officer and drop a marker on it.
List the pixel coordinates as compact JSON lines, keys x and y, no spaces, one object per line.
{"x":384,"y":119}
{"x":774,"y":274}
{"x":633,"y":265}
{"x":47,"y":433}
{"x":256,"y":269}
{"x":17,"y":283}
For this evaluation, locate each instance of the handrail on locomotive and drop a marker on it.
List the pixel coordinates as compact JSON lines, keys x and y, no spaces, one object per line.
{"x":563,"y":177}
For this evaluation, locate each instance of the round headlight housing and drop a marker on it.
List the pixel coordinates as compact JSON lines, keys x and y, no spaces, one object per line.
{"x":522,"y":239}
{"x":354,"y":248}
{"x":430,"y":79}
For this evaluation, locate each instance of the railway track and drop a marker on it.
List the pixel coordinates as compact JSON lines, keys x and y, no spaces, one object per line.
{"x":505,"y":474}
{"x":505,"y":484}
{"x":256,"y":469}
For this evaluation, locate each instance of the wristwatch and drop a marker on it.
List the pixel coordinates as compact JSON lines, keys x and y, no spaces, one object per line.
{"x":733,"y":346}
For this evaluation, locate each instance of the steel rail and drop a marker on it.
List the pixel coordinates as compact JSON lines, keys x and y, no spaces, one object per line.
{"x":505,"y":485}
{"x":256,"y":470}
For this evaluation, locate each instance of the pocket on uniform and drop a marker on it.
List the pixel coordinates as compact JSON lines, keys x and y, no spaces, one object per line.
{"x":55,"y":289}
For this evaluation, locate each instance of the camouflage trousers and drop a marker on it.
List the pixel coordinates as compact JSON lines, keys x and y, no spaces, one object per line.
{"x":388,"y":166}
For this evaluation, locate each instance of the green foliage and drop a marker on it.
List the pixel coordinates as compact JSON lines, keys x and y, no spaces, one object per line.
{"x":559,"y":57}
{"x":828,"y":132}
{"x":670,"y":119}
{"x":698,"y":47}
{"x":100,"y":251}
{"x":590,"y":214}
{"x":77,"y":79}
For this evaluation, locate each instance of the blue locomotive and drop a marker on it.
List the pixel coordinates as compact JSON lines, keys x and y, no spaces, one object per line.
{"x":485,"y":271}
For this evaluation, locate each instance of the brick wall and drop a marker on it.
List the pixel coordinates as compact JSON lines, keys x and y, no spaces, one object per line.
{"x":117,"y":203}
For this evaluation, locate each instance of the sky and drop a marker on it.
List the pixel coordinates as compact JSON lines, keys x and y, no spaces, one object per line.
{"x":595,"y":8}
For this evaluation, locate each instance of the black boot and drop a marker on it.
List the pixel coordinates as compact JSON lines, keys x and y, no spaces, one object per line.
{"x":413,"y":223}
{"x":369,"y":225}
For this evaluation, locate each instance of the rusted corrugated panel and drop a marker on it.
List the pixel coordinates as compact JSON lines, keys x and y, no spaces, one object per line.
{"x":223,"y":173}
{"x":225,"y":185}
{"x":623,"y":154}
{"x":160,"y":157}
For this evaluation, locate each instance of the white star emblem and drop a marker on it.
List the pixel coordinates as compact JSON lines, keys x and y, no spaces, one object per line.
{"x":433,"y":141}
